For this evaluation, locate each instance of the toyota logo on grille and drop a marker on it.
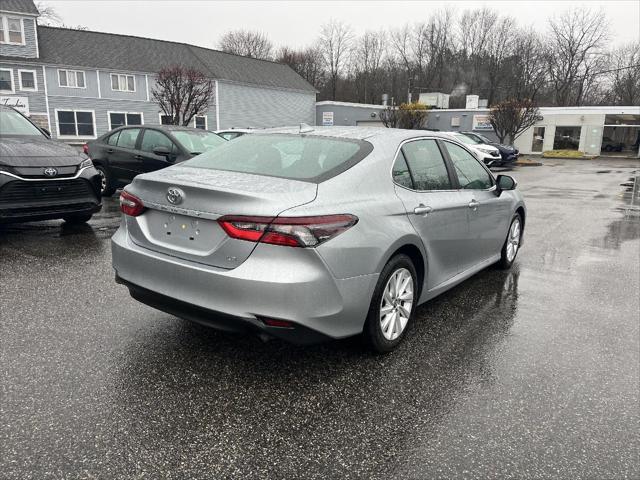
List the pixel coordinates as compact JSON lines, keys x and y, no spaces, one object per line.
{"x":50,"y":172}
{"x":175,"y":196}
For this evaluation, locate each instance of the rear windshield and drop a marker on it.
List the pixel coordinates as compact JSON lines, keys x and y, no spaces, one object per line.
{"x":297,"y":157}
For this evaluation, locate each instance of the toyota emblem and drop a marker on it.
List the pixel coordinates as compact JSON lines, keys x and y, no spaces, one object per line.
{"x":50,"y":172}
{"x":175,"y":196}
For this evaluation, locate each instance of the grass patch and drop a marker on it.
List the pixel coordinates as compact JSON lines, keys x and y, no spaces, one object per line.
{"x":563,"y":154}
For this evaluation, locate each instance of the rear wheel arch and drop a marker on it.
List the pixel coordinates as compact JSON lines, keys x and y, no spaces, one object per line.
{"x":415,"y":253}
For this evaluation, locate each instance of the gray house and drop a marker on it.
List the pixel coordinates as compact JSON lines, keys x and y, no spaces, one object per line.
{"x":80,"y":84}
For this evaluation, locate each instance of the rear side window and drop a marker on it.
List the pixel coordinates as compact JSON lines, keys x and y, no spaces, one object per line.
{"x":128,"y":138}
{"x":426,"y":165}
{"x":401,"y":173}
{"x":297,"y":157}
{"x":471,"y":175}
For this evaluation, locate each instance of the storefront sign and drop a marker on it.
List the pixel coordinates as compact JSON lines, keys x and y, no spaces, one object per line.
{"x":481,"y":122}
{"x":327,"y":119}
{"x":19,"y":103}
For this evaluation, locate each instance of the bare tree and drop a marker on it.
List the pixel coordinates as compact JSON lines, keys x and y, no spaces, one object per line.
{"x":526,"y":71}
{"x":367,"y":59}
{"x":624,"y":78}
{"x":499,"y":47}
{"x":335,"y":42}
{"x":48,"y":15}
{"x":247,"y":43}
{"x":182,"y":93}
{"x":401,"y":44}
{"x":307,"y":63}
{"x":476,"y":28}
{"x":574,"y":45}
{"x":512,"y":117}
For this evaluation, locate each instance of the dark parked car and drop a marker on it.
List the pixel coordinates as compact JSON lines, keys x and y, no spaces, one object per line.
{"x":609,"y":145}
{"x":125,"y":152}
{"x":508,"y":153}
{"x":41,"y":179}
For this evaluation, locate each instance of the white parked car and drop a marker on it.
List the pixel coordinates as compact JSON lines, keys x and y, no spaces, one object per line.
{"x":487,"y":153}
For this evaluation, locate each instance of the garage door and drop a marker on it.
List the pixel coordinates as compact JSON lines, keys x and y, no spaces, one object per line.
{"x":370,"y":123}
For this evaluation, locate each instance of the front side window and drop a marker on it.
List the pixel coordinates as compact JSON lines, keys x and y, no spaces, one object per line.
{"x":71,"y":78}
{"x":471,"y":175}
{"x":12,"y":123}
{"x":75,"y":123}
{"x":128,"y":138}
{"x":426,"y":165}
{"x":11,"y":30}
{"x":153,"y":139}
{"x":28,"y":80}
{"x":113,"y":139}
{"x":121,"y":119}
{"x":6,"y":80}
{"x":123,"y":83}
{"x":296,"y":157}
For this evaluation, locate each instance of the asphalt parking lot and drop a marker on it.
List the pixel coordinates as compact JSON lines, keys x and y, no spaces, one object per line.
{"x":531,"y":373}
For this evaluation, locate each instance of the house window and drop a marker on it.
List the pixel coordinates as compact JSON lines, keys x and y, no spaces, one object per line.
{"x":71,"y":78}
{"x":120,"y":119}
{"x":75,"y":123}
{"x":6,"y":80}
{"x":11,"y":30}
{"x":27,"y":80}
{"x":123,"y":83}
{"x":200,"y":121}
{"x":166,"y":119}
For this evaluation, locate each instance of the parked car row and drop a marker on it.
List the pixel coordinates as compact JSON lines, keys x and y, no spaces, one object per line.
{"x":303,"y":234}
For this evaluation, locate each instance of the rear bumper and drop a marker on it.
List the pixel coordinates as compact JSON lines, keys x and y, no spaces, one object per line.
{"x":23,"y":200}
{"x":291,"y":284}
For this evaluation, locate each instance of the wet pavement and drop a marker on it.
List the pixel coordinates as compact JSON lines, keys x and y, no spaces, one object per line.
{"x":531,"y":373}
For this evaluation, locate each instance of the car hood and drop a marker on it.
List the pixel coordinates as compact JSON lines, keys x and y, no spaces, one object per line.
{"x":36,"y":152}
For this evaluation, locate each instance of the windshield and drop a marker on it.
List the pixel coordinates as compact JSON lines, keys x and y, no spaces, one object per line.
{"x":198,"y":141}
{"x":296,"y":157}
{"x":462,"y":138}
{"x":12,"y":123}
{"x":483,"y":138}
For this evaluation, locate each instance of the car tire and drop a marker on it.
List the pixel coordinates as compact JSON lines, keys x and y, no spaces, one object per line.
{"x":106,"y":188}
{"x":512,"y":243}
{"x":78,"y":219}
{"x":383,"y":332}
{"x":608,"y":148}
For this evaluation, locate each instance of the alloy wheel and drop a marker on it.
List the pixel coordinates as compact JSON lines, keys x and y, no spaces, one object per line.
{"x":395,"y":305}
{"x":513,"y":240}
{"x":103,"y":180}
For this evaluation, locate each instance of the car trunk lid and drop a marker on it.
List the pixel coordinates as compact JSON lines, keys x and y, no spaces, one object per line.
{"x":187,"y":228}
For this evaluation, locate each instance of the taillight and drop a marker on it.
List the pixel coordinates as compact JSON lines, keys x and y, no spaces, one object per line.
{"x":85,"y":148}
{"x":130,"y":204}
{"x":287,"y":231}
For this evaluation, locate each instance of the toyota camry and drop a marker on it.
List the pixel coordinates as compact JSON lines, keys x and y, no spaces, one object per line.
{"x":309,"y":234}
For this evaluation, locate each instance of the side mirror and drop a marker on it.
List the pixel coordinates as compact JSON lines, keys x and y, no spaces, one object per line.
{"x":505,"y":182}
{"x":46,"y":132}
{"x":162,"y":151}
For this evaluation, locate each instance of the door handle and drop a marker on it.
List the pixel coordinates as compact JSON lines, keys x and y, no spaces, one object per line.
{"x":422,"y":210}
{"x":473,"y":204}
{"x":138,"y":157}
{"x":110,"y":150}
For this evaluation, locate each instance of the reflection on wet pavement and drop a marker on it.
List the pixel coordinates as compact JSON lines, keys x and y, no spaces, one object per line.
{"x":530,"y":373}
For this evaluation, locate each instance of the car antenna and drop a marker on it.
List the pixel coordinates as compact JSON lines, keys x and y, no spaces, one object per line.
{"x":304,"y":128}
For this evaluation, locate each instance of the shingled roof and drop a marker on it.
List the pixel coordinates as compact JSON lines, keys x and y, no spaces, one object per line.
{"x":83,"y":48}
{"x":22,"y":6}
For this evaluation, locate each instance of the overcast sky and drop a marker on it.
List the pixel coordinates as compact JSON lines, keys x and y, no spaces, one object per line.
{"x":298,"y":23}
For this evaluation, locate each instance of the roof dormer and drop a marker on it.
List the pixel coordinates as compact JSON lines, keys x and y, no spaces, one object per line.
{"x":18,"y":29}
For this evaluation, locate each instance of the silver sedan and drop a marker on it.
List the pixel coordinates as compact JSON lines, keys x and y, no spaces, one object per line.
{"x":308,"y":234}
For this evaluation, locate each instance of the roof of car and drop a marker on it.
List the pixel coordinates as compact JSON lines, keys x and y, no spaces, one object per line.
{"x":85,"y":48}
{"x":358,"y":133}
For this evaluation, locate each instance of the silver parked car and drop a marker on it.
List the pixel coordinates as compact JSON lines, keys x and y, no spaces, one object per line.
{"x":308,"y":234}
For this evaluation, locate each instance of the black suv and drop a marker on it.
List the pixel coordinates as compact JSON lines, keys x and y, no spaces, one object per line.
{"x":125,"y":152}
{"x":41,"y":179}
